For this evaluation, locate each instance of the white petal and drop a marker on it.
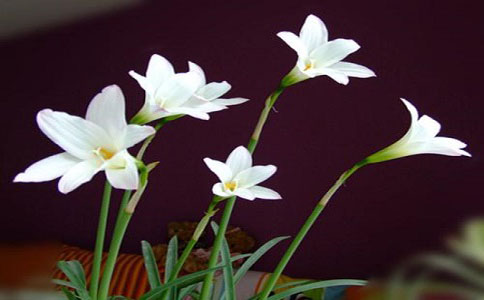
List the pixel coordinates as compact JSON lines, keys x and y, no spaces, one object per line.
{"x":353,"y":70}
{"x":80,"y":173}
{"x":137,"y":133}
{"x":264,"y":193}
{"x":177,"y":89}
{"x":313,"y":33}
{"x":48,"y":168}
{"x":244,"y":193}
{"x":209,"y":107}
{"x":194,"y":68}
{"x":446,"y":146}
{"x":333,"y":52}
{"x":337,"y":76}
{"x":193,"y":112}
{"x":239,"y":159}
{"x":125,"y":178}
{"x":75,"y":135}
{"x":107,"y":110}
{"x":213,"y":90}
{"x":230,"y":101}
{"x":413,"y":111}
{"x":220,"y":169}
{"x":294,"y":42}
{"x":425,"y":129}
{"x":218,"y":190}
{"x":144,"y":83}
{"x":254,"y":175}
{"x":159,"y":69}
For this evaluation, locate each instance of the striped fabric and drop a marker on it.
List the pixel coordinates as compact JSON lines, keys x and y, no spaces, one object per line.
{"x":129,"y":277}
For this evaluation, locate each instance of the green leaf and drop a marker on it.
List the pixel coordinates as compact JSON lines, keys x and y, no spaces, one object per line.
{"x":292,"y":283}
{"x":255,"y":257}
{"x":150,"y":265}
{"x":171,"y":257}
{"x":181,"y":282}
{"x":187,"y":291}
{"x":70,"y":295}
{"x":71,"y":270}
{"x":64,"y":283}
{"x":229,"y":292}
{"x":316,"y":285}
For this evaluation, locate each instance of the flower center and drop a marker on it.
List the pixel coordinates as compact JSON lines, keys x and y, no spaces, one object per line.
{"x":308,"y":66}
{"x":231,"y":185}
{"x":104,"y":153}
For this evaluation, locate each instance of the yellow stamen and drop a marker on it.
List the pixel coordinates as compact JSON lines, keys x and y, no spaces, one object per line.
{"x":231,"y":185}
{"x":104,"y":153}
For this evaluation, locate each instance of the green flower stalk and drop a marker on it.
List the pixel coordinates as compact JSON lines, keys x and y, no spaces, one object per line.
{"x":230,"y":202}
{"x":421,"y":138}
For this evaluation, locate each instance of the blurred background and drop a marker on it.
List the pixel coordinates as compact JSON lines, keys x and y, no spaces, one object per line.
{"x":59,"y":54}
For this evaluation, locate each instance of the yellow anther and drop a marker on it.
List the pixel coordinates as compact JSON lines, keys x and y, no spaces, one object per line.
{"x":104,"y":153}
{"x":231,"y":185}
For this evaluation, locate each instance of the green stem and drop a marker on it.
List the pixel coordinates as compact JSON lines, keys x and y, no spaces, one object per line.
{"x":148,"y":140}
{"x":207,"y":283}
{"x":121,"y":225}
{"x":304,"y":230}
{"x":122,"y":222}
{"x":229,"y":205}
{"x":189,"y":247}
{"x":101,"y":233}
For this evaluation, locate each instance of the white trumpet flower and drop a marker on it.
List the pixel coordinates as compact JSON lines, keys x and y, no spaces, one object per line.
{"x":421,"y":138}
{"x":239,"y":178}
{"x":98,"y":142}
{"x":170,"y":94}
{"x":318,"y":56}
{"x":207,"y":96}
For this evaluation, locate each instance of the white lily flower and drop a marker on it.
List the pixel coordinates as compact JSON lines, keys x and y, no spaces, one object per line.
{"x":421,"y":138}
{"x":94,"y":144}
{"x":239,"y":178}
{"x":169,"y":93}
{"x":207,"y":96}
{"x":317,"y":56}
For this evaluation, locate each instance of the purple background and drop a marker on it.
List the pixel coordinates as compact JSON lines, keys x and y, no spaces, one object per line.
{"x":430,"y":52}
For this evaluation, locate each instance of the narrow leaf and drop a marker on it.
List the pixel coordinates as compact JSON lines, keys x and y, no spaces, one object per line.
{"x":255,"y":257}
{"x":72,"y":274}
{"x":187,"y":291}
{"x":180,"y":282}
{"x":70,"y":295}
{"x":229,"y":291}
{"x":316,"y":285}
{"x":171,"y":257}
{"x":150,"y":265}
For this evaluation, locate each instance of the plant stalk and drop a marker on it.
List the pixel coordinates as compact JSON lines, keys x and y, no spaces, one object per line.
{"x":101,"y":233}
{"x":121,"y":225}
{"x":269,"y":286}
{"x":229,"y":205}
{"x":122,"y":222}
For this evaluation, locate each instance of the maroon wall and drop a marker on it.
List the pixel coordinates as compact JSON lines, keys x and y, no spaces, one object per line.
{"x":430,"y":52}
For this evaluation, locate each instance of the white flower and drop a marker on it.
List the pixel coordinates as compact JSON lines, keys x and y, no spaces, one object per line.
{"x":96,"y":143}
{"x":239,"y":178}
{"x":421,"y":138}
{"x":317,"y":56}
{"x":207,"y":96}
{"x":169,"y":93}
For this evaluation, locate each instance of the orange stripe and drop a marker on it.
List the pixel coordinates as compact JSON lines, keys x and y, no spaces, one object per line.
{"x":126,"y":275}
{"x":118,"y":272}
{"x":131,"y":284}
